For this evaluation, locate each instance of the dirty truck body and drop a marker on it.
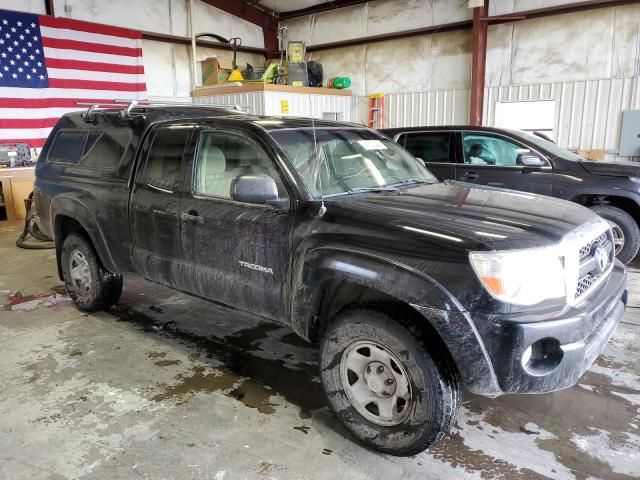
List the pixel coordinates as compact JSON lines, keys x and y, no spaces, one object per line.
{"x":413,"y":287}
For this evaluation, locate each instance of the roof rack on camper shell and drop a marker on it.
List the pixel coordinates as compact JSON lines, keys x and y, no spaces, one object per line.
{"x":127,"y":106}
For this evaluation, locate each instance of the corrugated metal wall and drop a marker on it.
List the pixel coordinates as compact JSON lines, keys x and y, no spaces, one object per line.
{"x":441,"y":107}
{"x":588,"y":113}
{"x":298,"y":105}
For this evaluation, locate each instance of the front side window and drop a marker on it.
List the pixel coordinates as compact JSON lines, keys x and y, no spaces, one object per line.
{"x":429,"y":146}
{"x":223,"y":156}
{"x":480,"y":149}
{"x":165,"y":157}
{"x":333,"y":161}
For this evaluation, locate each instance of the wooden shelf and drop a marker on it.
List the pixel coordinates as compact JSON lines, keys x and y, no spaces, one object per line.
{"x":224,"y":89}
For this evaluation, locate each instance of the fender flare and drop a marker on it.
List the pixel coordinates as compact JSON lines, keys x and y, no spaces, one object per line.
{"x":422,"y":293}
{"x":74,"y":208}
{"x":603,"y":191}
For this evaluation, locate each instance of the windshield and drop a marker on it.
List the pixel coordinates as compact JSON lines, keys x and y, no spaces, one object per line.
{"x":349,"y":160}
{"x":548,"y":146}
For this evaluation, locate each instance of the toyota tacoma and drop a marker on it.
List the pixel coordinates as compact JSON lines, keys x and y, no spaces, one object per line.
{"x":413,"y":288}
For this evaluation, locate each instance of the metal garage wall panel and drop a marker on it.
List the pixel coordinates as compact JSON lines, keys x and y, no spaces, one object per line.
{"x":270,"y":103}
{"x":588,"y":113}
{"x":440,"y":107}
{"x":252,"y":102}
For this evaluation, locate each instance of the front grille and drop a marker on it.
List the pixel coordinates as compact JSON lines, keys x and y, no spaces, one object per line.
{"x":585,"y":283}
{"x":591,"y":267}
{"x":587,"y":248}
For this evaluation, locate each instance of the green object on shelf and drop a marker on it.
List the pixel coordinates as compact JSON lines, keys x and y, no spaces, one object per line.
{"x":342,"y":82}
{"x":338,"y":82}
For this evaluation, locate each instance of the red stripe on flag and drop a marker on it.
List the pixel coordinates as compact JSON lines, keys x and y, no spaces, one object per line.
{"x":27,"y":122}
{"x":49,"y":102}
{"x":32,"y":142}
{"x":91,"y":47}
{"x":94,"y":66}
{"x":89,"y":27}
{"x":96,"y":85}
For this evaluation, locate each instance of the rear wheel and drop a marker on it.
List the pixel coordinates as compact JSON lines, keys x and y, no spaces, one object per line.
{"x":626,"y":234}
{"x":388,"y":389}
{"x":91,"y":286}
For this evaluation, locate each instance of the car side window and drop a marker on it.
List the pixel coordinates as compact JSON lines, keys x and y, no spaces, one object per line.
{"x":165,"y":157}
{"x":223,"y":156}
{"x":429,"y":146}
{"x":481,"y":149}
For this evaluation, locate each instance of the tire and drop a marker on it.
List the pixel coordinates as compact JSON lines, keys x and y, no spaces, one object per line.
{"x":419,"y":418}
{"x":625,"y":229}
{"x":93,"y":287}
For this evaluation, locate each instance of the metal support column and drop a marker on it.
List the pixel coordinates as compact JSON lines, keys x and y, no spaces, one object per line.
{"x":478,"y":62}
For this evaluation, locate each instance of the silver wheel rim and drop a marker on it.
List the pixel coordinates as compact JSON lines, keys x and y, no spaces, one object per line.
{"x":376,"y":383}
{"x":618,"y":236}
{"x":79,"y":272}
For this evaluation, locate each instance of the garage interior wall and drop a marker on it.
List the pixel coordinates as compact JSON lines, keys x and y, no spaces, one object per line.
{"x":588,"y":62}
{"x":167,"y":65}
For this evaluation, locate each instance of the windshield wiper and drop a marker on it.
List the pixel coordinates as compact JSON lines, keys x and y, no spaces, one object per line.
{"x":411,"y":181}
{"x":386,"y":188}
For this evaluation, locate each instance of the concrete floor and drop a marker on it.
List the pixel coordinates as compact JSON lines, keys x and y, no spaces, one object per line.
{"x":168,"y":386}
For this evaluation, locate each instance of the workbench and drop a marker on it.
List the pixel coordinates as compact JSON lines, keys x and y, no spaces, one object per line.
{"x":16,"y":184}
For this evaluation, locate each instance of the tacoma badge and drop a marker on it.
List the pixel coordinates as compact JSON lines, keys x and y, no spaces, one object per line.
{"x":253,"y":266}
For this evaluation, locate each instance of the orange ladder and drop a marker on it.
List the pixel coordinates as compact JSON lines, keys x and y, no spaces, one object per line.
{"x":376,"y":110}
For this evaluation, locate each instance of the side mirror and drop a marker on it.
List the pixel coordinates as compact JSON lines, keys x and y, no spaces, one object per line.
{"x":424,"y":164}
{"x":530,"y":159}
{"x":257,"y":189}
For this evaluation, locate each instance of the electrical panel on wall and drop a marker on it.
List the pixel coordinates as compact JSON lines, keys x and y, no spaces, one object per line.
{"x":630,"y":134}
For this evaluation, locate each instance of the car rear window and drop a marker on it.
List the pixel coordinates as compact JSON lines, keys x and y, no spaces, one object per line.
{"x":101,"y":149}
{"x":429,"y":146}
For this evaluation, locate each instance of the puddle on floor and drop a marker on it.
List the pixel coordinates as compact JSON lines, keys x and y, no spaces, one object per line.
{"x":547,"y":424}
{"x":238,"y":377}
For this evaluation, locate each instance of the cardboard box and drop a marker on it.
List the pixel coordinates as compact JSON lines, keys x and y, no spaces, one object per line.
{"x":215,"y":70}
{"x":592,"y":154}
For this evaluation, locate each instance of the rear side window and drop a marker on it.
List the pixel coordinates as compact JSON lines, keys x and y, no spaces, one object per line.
{"x":103,"y":149}
{"x":67,"y":147}
{"x":165,"y":157}
{"x":429,"y":146}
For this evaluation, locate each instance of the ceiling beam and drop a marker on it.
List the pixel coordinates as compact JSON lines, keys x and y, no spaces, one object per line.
{"x":252,"y":14}
{"x":163,"y":37}
{"x":321,"y":7}
{"x":239,"y":9}
{"x":468,"y":24}
{"x":464,"y":25}
{"x":48,"y":8}
{"x":560,"y":10}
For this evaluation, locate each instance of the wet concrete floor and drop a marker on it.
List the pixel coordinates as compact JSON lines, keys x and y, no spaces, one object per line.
{"x":168,"y":386}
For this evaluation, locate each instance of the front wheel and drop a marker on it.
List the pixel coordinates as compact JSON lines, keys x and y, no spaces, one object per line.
{"x":386,"y":387}
{"x":626,"y":234}
{"x":91,"y":286}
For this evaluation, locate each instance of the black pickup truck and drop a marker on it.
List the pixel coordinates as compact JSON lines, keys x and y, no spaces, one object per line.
{"x":413,"y":288}
{"x":527,"y":162}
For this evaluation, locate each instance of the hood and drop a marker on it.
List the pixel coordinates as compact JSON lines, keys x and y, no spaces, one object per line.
{"x":474,"y":218}
{"x":614,"y":169}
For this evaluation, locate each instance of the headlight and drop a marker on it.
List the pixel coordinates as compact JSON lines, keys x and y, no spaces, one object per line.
{"x":635,"y":179}
{"x":521,"y":277}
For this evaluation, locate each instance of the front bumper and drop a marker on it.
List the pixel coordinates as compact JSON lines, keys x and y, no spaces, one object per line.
{"x":578,"y":336}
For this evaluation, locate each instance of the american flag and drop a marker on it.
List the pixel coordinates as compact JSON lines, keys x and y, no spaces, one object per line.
{"x":48,"y":64}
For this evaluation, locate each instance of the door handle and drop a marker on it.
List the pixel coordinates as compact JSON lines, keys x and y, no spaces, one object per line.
{"x":191,"y":216}
{"x":470,"y":175}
